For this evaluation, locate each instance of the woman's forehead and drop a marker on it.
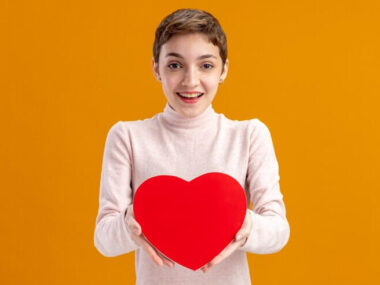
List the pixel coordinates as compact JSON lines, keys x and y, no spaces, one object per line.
{"x":203,"y":56}
{"x":190,"y":46}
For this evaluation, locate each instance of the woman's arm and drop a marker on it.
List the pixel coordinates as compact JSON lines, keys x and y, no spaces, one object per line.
{"x":270,"y":228}
{"x":111,"y":237}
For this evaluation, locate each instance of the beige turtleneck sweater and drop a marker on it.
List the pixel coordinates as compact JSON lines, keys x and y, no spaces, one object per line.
{"x":170,"y":144}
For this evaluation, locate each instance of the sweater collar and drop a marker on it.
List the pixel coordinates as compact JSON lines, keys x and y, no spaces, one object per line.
{"x":177,"y":120}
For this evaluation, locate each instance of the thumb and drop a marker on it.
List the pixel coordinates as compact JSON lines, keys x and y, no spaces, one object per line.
{"x":135,"y":226}
{"x":239,"y":236}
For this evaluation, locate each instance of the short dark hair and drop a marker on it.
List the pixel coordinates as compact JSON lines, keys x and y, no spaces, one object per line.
{"x":184,"y":21}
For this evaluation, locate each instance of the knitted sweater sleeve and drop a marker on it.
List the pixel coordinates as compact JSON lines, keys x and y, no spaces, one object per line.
{"x":111,"y":237}
{"x":270,"y":228}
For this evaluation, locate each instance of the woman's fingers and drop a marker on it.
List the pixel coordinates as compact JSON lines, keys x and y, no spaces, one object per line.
{"x":137,"y":235}
{"x":167,"y":261}
{"x":134,"y":226}
{"x":158,"y":258}
{"x":245,"y":230}
{"x":152,"y":252}
{"x":222,"y":255}
{"x":132,"y":223}
{"x":164,"y":259}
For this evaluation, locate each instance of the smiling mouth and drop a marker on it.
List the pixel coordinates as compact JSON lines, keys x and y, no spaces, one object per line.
{"x":189,"y":97}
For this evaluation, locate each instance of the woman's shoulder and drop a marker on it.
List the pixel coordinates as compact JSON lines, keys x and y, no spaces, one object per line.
{"x":254,"y":129}
{"x":250,"y":125}
{"x":133,"y":126}
{"x":121,"y":133}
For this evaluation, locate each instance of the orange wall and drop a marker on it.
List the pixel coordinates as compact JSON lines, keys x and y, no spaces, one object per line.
{"x":70,"y":69}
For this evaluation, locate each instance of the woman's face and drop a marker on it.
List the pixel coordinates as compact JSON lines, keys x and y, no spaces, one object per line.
{"x":189,"y":65}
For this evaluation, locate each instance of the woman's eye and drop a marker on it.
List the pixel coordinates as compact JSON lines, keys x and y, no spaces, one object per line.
{"x":174,"y":66}
{"x":177,"y":66}
{"x":208,"y":66}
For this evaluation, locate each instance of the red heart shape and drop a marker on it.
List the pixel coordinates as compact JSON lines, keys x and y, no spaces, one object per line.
{"x":190,"y":222}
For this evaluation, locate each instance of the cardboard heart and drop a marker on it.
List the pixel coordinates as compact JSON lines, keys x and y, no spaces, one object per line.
{"x":190,"y":222}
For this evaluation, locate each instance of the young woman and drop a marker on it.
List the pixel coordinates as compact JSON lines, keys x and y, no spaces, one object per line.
{"x":189,"y":139}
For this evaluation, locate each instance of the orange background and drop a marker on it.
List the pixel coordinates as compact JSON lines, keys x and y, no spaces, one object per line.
{"x":70,"y":69}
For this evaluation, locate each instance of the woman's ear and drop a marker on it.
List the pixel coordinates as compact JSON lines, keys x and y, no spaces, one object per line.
{"x":225,"y":71}
{"x":156,"y":73}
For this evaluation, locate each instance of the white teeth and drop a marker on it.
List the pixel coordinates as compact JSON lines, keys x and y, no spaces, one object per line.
{"x":190,"y":95}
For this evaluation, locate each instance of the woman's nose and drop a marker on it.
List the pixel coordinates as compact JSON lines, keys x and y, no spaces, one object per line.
{"x":191,"y":78}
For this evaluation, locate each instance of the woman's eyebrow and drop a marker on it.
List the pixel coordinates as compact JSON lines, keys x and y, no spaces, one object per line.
{"x":180,"y":56}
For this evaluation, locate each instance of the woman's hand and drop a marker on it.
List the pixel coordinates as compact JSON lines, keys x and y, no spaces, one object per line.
{"x":240,"y":239}
{"x":138,"y":237}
